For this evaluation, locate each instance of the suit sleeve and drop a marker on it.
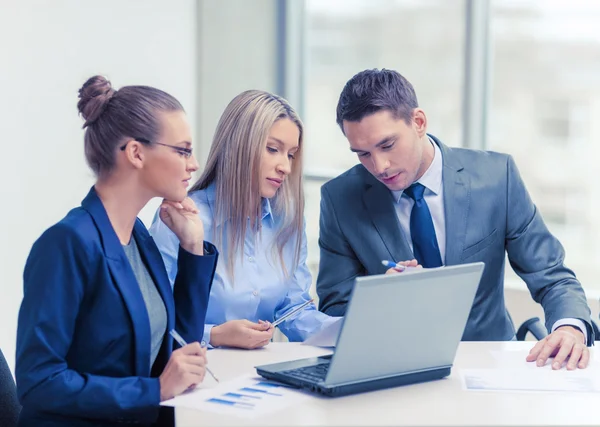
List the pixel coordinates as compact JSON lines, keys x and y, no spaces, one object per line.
{"x":338,"y":265}
{"x":538,"y":258}
{"x":192,"y":290}
{"x":57,"y":277}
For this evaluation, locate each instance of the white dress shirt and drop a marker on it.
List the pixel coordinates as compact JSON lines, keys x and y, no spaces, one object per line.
{"x":434,"y":197}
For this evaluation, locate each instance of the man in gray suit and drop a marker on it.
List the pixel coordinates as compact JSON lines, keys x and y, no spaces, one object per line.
{"x":414,"y":197}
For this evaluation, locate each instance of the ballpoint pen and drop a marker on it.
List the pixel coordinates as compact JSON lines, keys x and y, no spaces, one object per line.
{"x":182,"y":343}
{"x":291,"y":313}
{"x":391,"y":264}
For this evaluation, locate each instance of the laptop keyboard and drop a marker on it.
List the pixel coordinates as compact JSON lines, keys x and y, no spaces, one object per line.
{"x":314,"y":373}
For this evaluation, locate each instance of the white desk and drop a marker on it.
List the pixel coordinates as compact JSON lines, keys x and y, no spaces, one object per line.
{"x":441,"y":402}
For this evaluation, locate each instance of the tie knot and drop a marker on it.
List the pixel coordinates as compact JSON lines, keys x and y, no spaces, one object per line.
{"x":415,"y":191}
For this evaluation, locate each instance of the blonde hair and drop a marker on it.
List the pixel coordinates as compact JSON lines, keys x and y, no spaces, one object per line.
{"x":234,"y":164}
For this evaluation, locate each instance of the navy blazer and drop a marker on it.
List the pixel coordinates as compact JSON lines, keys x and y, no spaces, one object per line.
{"x":488,"y":214}
{"x":83,"y":338}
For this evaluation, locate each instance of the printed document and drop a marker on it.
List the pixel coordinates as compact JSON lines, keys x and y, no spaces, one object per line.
{"x":246,"y":397}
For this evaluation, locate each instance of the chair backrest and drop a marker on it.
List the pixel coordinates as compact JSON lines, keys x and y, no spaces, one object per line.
{"x":9,"y":403}
{"x":533,"y":325}
{"x":538,"y":330}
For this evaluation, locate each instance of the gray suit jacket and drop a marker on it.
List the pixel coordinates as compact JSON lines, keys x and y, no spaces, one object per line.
{"x":488,"y":212}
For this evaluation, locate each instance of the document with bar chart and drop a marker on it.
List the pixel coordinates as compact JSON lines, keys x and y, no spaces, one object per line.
{"x":246,"y":397}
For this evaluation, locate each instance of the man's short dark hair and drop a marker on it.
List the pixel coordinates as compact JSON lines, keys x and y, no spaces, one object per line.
{"x":373,"y":90}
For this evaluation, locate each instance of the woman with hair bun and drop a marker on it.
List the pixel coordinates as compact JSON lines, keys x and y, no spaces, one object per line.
{"x":93,"y":343}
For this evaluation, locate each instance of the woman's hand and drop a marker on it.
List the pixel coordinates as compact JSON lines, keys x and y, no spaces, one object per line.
{"x":182,"y":219}
{"x":241,"y":334}
{"x":185,"y":370}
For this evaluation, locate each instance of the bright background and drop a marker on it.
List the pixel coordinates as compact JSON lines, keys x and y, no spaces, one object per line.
{"x":514,"y":76}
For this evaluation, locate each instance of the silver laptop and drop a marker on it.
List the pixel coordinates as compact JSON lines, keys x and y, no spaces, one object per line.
{"x":399,"y":329}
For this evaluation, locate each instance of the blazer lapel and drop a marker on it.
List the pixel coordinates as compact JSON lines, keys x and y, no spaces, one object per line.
{"x":125,"y":281}
{"x":380,"y":206}
{"x":457,"y":190}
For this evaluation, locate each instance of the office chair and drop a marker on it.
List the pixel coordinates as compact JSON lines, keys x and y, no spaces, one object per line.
{"x":9,"y":404}
{"x":538,"y":330}
{"x":533,"y":325}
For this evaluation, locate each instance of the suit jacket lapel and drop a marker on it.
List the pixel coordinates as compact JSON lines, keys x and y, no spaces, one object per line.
{"x":380,"y":205}
{"x":457,"y":191}
{"x":125,"y":281}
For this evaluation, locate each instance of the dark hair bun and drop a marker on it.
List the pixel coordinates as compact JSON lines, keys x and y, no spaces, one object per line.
{"x":93,"y":98}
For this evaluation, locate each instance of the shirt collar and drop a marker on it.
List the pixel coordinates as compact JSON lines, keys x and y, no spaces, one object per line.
{"x":266,"y":210}
{"x":432,"y":178}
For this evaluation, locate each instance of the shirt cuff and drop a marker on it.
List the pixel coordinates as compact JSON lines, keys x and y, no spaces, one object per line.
{"x":206,"y":337}
{"x":577,"y":323}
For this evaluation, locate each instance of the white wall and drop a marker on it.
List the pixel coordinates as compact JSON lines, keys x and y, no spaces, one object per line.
{"x":47,"y":50}
{"x":204,"y":52}
{"x":236,"y":52}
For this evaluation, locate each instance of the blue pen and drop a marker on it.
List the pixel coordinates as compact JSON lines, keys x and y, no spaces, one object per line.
{"x":390,"y":264}
{"x":183,"y":343}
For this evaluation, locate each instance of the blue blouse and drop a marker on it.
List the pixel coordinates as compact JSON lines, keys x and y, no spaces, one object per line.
{"x":259,"y":289}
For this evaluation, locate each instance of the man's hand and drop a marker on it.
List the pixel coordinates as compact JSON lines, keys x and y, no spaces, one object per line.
{"x":566,"y":343}
{"x":411,"y":263}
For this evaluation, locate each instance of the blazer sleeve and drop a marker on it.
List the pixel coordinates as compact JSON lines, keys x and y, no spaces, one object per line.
{"x":58,"y":275}
{"x":338,"y":266}
{"x":538,"y":258}
{"x":191,"y":290}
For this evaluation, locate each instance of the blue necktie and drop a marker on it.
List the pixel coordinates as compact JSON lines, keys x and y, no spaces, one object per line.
{"x":425,"y":245}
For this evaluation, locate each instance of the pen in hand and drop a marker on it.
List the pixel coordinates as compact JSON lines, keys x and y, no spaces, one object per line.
{"x":182,"y":343}
{"x":291,"y":313}
{"x":399,"y":267}
{"x":390,"y":264}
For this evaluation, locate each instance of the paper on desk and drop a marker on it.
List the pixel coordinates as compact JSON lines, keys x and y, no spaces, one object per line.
{"x":529,"y":380}
{"x":246,"y":396}
{"x":516,"y":359}
{"x":326,"y":337}
{"x":513,"y":373}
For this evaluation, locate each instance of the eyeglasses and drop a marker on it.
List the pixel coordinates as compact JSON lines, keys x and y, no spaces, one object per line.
{"x":185,"y":152}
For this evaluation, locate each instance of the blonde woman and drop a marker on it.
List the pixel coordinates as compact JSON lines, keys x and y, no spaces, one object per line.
{"x":251,"y":202}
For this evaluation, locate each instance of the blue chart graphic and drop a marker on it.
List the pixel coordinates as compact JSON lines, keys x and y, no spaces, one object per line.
{"x":242,"y":405}
{"x":249,"y":397}
{"x":240,"y":396}
{"x":258,"y":391}
{"x":267,"y":384}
